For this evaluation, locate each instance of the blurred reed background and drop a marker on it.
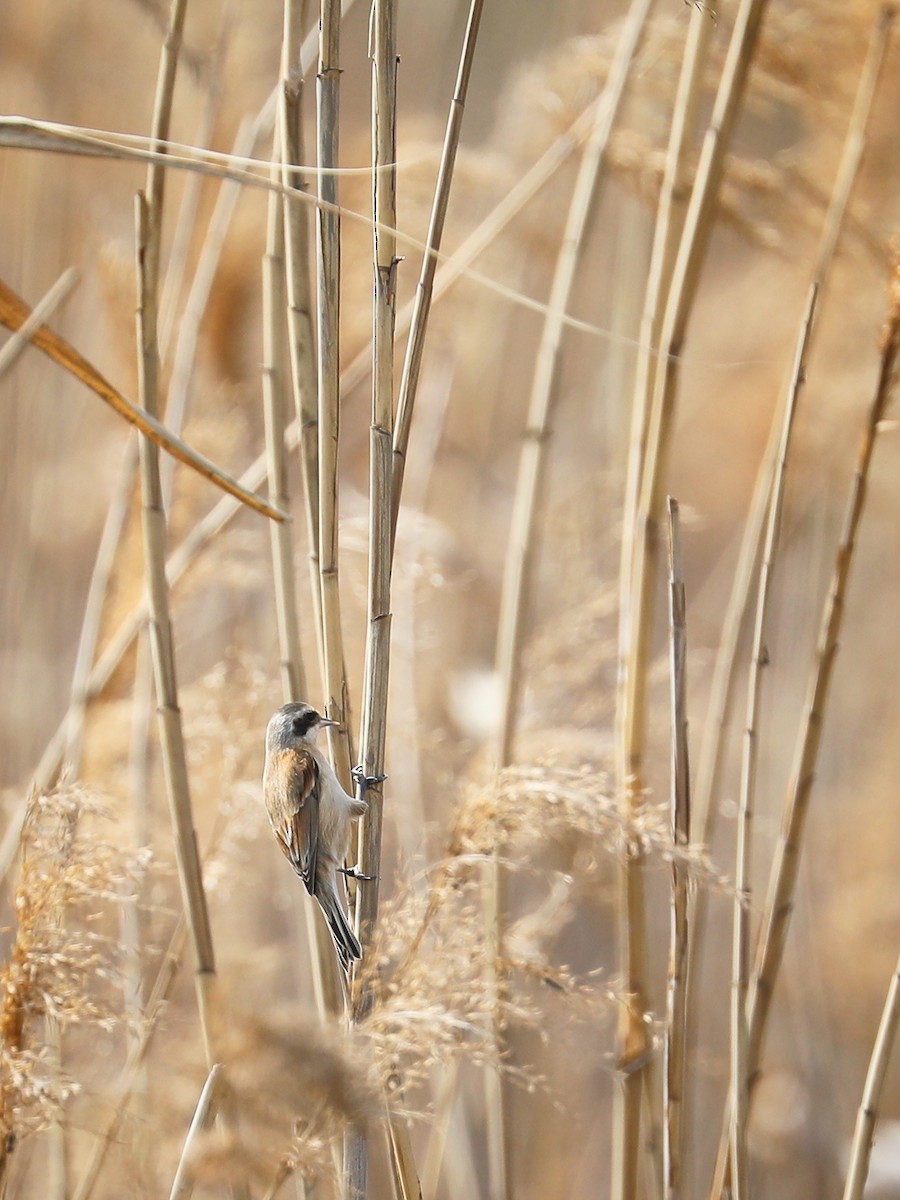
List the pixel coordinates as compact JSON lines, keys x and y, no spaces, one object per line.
{"x":639,"y":201}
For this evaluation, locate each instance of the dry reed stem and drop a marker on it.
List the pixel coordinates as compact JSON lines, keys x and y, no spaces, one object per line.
{"x":300,"y":314}
{"x":14,"y":312}
{"x":373,"y":725}
{"x":195,"y":306}
{"x":532,"y":464}
{"x":714,"y":739}
{"x":637,"y":622}
{"x":759,"y":658}
{"x":783,"y":874}
{"x":204,"y":1115}
{"x":421,"y":308}
{"x":148,"y":230}
{"x":293,"y":676}
{"x":667,"y":230}
{"x":45,"y":307}
{"x":328,"y":287}
{"x":678,"y":975}
{"x":864,"y":1131}
{"x":293,"y":290}
{"x":855,"y":140}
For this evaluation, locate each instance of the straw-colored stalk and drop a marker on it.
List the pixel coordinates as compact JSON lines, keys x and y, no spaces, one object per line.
{"x":532,"y":465}
{"x":636,"y":623}
{"x":45,"y":307}
{"x":289,"y":223}
{"x":866,"y":1118}
{"x":204,"y":1114}
{"x":670,"y":214}
{"x":714,"y":740}
{"x":301,"y":325}
{"x":14,"y":312}
{"x":855,"y":141}
{"x":412,"y":363}
{"x":740,"y":1082}
{"x":328,"y":281}
{"x":293,"y":677}
{"x":373,"y":730}
{"x":783,"y":875}
{"x":677,"y":983}
{"x":149,"y":225}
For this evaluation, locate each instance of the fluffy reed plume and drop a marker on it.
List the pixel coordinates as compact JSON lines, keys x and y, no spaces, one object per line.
{"x":60,"y":965}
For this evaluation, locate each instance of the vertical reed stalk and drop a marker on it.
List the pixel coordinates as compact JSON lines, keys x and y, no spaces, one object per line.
{"x":678,"y":976}
{"x":636,"y":623}
{"x":867,"y":1116}
{"x":293,"y":289}
{"x":412,"y":363}
{"x":670,"y":214}
{"x":532,"y":462}
{"x":759,"y":658}
{"x":373,"y":731}
{"x":204,"y":1115}
{"x":293,"y":677}
{"x":299,"y":293}
{"x":328,"y":280}
{"x":149,"y":225}
{"x":783,"y":875}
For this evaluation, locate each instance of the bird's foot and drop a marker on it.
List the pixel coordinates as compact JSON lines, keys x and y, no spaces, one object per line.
{"x":355,"y":873}
{"x":364,"y":781}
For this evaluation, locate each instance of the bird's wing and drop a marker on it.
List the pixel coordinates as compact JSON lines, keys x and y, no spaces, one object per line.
{"x":294,"y":811}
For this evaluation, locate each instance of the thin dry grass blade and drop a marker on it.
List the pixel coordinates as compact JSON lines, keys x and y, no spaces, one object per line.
{"x":14,"y":312}
{"x":863,"y":1134}
{"x":678,"y":977}
{"x":740,"y":1081}
{"x":412,"y":363}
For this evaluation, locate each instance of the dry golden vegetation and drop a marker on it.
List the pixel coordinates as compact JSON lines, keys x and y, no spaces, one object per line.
{"x":635,"y":913}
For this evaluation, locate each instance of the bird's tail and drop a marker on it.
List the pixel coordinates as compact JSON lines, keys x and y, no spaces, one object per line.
{"x":345,"y":940}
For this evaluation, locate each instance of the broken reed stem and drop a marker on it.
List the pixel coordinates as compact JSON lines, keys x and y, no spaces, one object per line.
{"x":328,"y":283}
{"x":783,"y":875}
{"x":204,"y":1115}
{"x":636,"y":622}
{"x":149,"y":225}
{"x":522,"y":535}
{"x":412,"y":363}
{"x":866,"y":1118}
{"x":678,"y":978}
{"x":759,"y":658}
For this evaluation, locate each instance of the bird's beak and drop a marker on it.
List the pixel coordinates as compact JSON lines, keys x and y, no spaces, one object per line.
{"x":327,"y":723}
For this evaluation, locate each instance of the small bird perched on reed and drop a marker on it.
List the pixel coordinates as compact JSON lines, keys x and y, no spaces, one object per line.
{"x":311,"y":814}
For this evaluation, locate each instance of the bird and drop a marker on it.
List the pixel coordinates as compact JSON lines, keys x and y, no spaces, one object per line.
{"x":311,"y":813}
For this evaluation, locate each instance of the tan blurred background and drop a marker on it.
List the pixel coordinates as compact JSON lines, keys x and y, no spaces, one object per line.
{"x":93,"y":63}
